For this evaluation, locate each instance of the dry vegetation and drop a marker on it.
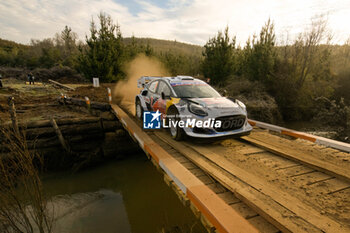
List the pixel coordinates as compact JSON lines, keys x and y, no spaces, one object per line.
{"x":23,"y":205}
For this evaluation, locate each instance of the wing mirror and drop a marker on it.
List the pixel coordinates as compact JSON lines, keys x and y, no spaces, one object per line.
{"x":144,"y":92}
{"x":224,"y":93}
{"x":165,"y":96}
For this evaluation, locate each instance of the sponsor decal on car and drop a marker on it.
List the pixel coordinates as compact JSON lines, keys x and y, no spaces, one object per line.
{"x":192,"y":123}
{"x":152,"y":120}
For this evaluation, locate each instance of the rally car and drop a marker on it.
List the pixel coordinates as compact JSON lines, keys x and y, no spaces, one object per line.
{"x":184,"y":98}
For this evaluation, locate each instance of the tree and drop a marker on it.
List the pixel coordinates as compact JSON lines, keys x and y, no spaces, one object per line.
{"x":260,"y":55}
{"x":149,"y":50}
{"x":219,"y":57}
{"x":304,"y":72}
{"x":67,"y":42}
{"x":103,"y":55}
{"x":308,"y":56}
{"x":45,"y":52}
{"x":132,"y":49}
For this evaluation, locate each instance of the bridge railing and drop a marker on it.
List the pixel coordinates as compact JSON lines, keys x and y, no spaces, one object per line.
{"x":309,"y":137}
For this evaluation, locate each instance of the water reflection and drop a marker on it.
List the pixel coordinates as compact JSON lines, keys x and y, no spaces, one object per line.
{"x":120,"y":196}
{"x":102,"y":211}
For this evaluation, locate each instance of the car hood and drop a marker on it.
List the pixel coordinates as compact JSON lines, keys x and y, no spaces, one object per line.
{"x":218,"y":103}
{"x":219,"y":106}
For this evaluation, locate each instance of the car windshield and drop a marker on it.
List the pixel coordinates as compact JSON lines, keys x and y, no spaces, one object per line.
{"x":195,"y":91}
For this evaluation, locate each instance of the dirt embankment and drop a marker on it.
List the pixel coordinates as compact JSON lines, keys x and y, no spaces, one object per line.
{"x":39,"y":101}
{"x":98,"y":94}
{"x":32,"y":102}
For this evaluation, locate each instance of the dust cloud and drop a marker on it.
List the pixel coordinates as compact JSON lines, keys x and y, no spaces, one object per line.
{"x":126,"y":90}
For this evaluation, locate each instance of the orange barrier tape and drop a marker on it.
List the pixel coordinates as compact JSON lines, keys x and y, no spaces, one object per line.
{"x":252,"y":123}
{"x":299,"y":135}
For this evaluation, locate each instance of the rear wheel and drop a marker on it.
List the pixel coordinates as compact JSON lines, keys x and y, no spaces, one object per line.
{"x":176,"y":132}
{"x":139,"y":109}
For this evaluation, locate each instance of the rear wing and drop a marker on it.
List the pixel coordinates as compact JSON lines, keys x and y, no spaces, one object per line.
{"x":141,"y":82}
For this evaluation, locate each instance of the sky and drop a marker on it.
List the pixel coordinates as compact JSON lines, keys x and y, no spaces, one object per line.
{"x":193,"y":21}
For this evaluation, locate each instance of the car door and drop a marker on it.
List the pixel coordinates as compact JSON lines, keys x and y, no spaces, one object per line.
{"x":152,"y":95}
{"x":161,"y":103}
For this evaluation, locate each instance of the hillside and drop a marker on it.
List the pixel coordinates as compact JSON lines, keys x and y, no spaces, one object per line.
{"x":7,"y":46}
{"x":168,"y":45}
{"x":157,"y":45}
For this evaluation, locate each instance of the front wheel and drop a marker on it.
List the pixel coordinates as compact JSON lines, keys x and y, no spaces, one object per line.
{"x":176,"y":132}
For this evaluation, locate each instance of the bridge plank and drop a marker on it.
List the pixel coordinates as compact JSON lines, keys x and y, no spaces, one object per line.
{"x":335,"y":185}
{"x":302,"y":210}
{"x":304,"y":158}
{"x":261,"y":203}
{"x":294,"y":171}
{"x":229,"y":197}
{"x":244,"y":210}
{"x":289,"y":202}
{"x":260,"y":223}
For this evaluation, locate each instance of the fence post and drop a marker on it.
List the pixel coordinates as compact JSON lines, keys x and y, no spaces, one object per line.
{"x":109,"y":95}
{"x":88,"y":103}
{"x":63,"y":98}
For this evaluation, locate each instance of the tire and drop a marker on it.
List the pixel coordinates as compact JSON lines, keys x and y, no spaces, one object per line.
{"x":176,"y":133}
{"x":138,"y":109}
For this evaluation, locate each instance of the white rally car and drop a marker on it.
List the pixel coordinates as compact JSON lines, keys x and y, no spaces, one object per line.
{"x":203,"y":111}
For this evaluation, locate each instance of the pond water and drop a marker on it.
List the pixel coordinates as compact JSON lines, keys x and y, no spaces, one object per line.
{"x":119,"y":196}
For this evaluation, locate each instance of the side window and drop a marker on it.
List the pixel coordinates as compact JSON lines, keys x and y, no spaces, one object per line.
{"x":164,"y":88}
{"x":153,"y":86}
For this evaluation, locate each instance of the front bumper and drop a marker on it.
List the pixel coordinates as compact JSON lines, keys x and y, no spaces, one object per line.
{"x":212,"y":133}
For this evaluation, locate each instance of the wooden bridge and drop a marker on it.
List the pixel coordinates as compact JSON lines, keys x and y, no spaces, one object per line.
{"x":274,"y":180}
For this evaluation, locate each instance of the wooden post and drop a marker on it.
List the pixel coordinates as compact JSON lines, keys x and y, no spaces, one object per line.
{"x":60,"y":136}
{"x":13,"y":115}
{"x":88,"y":103}
{"x":109,"y":95}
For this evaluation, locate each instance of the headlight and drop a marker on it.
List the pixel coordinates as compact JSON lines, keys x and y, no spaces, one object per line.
{"x":242,"y":105}
{"x":197,"y":109}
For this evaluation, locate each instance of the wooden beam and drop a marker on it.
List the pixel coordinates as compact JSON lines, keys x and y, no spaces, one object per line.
{"x":81,"y":102}
{"x":61,"y":85}
{"x":47,"y":123}
{"x":60,"y":136}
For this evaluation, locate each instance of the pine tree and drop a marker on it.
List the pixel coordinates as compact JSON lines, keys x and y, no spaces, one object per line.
{"x":104,"y":54}
{"x":69,"y":46}
{"x":219,"y":57}
{"x":260,"y":55}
